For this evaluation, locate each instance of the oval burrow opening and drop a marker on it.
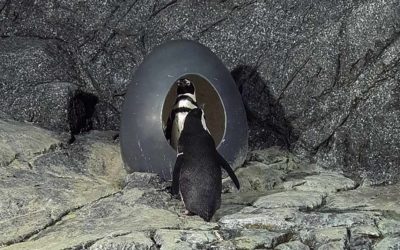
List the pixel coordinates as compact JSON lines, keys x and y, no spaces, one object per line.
{"x":208,"y":99}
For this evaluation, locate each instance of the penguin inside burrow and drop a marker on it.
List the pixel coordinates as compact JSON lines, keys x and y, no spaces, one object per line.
{"x":185,"y":101}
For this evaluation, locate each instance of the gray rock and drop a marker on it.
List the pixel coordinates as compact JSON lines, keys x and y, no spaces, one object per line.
{"x":255,"y":239}
{"x":282,"y":219}
{"x":383,"y":198}
{"x":225,"y":245}
{"x":195,"y":239}
{"x":319,"y":237}
{"x":197,"y":223}
{"x":334,"y":245}
{"x":47,"y":182}
{"x":389,"y":243}
{"x":270,"y":219}
{"x":234,"y":202}
{"x":36,"y":85}
{"x":389,"y":227}
{"x":143,"y":181}
{"x":292,"y":245}
{"x":133,"y":241}
{"x":254,"y":176}
{"x":56,"y":195}
{"x":265,"y":169}
{"x":227,"y":209}
{"x":325,"y":182}
{"x":363,"y":237}
{"x":97,"y":220}
{"x":23,"y":141}
{"x":183,"y":239}
{"x":297,"y":199}
{"x":274,"y":155}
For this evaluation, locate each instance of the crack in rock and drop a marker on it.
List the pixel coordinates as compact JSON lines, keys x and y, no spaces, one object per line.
{"x":52,"y":222}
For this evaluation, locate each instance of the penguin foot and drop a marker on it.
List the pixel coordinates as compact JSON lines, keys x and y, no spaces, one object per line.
{"x":173,"y":195}
{"x":188,"y":213}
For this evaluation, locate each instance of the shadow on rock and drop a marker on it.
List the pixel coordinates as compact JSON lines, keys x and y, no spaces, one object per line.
{"x":267,"y":122}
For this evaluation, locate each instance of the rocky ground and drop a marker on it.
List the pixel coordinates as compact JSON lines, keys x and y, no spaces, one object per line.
{"x":56,"y":195}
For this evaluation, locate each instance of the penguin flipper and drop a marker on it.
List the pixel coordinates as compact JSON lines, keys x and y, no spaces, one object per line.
{"x":175,"y":175}
{"x":168,"y":129}
{"x":225,"y":165}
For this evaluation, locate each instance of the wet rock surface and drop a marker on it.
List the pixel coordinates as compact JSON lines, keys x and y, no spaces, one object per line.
{"x":321,"y":78}
{"x":57,"y":195}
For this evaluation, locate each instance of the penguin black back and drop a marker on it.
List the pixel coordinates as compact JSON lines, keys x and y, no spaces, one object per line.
{"x":197,"y":172}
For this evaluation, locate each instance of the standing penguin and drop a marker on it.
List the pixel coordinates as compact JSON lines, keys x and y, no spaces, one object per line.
{"x":197,"y":174}
{"x":185,"y":101}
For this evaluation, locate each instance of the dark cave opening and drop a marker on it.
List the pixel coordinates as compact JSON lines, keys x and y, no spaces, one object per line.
{"x":81,"y":111}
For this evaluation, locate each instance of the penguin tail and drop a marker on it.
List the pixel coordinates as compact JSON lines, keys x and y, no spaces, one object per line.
{"x":207,"y":217}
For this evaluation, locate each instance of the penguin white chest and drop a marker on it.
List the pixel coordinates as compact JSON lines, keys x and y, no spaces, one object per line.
{"x":186,"y":104}
{"x":180,"y":121}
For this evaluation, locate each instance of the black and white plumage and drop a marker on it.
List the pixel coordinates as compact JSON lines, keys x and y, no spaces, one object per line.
{"x":197,"y":174}
{"x":185,"y":102}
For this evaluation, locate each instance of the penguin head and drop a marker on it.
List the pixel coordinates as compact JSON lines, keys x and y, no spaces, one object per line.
{"x":184,"y":86}
{"x":195,"y":120}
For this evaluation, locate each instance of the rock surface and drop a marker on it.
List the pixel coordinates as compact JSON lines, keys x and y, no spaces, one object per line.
{"x":322,"y":78}
{"x":57,"y":195}
{"x":292,"y":246}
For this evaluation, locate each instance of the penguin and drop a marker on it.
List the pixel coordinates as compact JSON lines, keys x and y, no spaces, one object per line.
{"x":185,"y":101}
{"x":197,"y":174}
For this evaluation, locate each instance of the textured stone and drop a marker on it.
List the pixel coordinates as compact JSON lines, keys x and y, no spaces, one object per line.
{"x":256,"y":218}
{"x":118,"y":213}
{"x":255,"y":239}
{"x":292,"y":219}
{"x":370,"y":231}
{"x":319,"y":237}
{"x":35,"y":83}
{"x":183,"y":239}
{"x":22,"y":141}
{"x":389,"y":243}
{"x":58,"y":195}
{"x":143,"y":180}
{"x":272,"y":156}
{"x":46,"y":181}
{"x":384,"y":198}
{"x":254,"y":176}
{"x":34,"y":201}
{"x":334,"y":245}
{"x":134,"y":241}
{"x":389,"y":226}
{"x":326,"y":182}
{"x":292,"y":245}
{"x":297,"y":199}
{"x":265,"y":169}
{"x":363,"y":237}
